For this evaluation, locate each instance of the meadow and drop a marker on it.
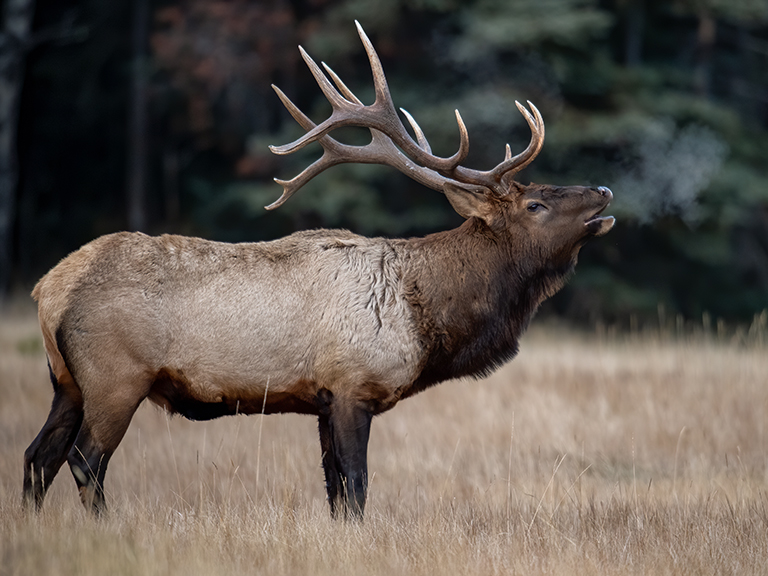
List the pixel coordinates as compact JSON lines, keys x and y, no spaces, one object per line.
{"x":594,"y":452}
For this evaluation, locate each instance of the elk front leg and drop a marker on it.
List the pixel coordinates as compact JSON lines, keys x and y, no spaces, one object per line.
{"x":344,"y":428}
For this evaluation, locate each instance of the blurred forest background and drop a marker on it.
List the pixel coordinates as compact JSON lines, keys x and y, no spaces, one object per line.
{"x":156,"y":115}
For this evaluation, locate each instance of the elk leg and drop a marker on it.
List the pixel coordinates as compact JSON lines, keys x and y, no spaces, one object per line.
{"x":99,"y":436}
{"x":344,"y":430}
{"x":88,"y":464}
{"x":332,"y":475}
{"x":48,"y":451}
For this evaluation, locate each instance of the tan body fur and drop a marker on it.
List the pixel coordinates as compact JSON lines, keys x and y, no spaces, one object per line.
{"x":228,"y":322}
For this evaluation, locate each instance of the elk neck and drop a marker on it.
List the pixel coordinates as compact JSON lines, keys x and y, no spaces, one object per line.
{"x":473,"y":293}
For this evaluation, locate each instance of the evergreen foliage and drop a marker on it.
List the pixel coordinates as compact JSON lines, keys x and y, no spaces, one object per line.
{"x":664,"y":102}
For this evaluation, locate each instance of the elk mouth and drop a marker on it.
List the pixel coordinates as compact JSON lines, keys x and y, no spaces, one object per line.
{"x":598,"y":225}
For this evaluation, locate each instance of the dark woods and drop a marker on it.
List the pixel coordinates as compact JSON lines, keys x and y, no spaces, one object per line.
{"x":157,"y":115}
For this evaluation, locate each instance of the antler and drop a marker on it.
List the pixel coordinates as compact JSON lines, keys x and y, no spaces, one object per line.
{"x":389,"y":136}
{"x":510,"y":165}
{"x":381,"y":150}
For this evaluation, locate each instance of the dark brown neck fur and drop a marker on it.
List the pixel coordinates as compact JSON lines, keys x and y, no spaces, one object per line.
{"x":473,"y":293}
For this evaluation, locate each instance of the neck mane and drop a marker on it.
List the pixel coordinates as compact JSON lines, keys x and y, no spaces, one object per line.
{"x":473,"y":293}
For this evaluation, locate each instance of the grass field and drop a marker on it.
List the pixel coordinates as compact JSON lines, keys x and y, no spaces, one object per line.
{"x":589,"y":454}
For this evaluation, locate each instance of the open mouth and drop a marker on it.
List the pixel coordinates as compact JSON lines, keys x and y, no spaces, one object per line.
{"x":599,"y":225}
{"x":597,"y":216}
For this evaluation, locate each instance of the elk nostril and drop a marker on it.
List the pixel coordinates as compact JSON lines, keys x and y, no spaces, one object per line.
{"x":604,"y":190}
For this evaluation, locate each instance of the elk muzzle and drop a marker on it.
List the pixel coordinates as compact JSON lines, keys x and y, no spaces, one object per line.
{"x":598,"y":225}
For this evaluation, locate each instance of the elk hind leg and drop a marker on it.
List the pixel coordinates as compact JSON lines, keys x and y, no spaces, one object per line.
{"x":48,"y":451}
{"x":104,"y":425}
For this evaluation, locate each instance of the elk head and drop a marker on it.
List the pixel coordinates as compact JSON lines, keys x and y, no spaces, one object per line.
{"x":557,"y":220}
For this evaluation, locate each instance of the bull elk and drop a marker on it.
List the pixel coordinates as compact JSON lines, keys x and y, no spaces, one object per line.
{"x":321,"y":322}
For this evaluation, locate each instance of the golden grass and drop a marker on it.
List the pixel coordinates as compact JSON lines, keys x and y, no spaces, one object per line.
{"x":589,"y":454}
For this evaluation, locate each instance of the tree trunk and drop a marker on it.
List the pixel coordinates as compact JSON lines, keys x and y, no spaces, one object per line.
{"x":137,"y":120}
{"x":17,"y":24}
{"x":704,"y":50}
{"x":633,"y":44}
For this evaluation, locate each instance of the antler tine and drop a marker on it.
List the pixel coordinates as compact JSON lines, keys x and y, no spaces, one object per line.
{"x":463,"y":151}
{"x":348,"y":94}
{"x":297,"y":114}
{"x":379,"y":80}
{"x":508,"y":153}
{"x":418,"y":131}
{"x":290,"y":187}
{"x":330,"y":92}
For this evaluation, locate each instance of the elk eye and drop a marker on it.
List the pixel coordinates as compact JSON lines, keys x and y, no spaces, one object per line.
{"x":533,"y":206}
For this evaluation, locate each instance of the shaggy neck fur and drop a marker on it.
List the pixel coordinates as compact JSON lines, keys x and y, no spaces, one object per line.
{"x":473,"y":293}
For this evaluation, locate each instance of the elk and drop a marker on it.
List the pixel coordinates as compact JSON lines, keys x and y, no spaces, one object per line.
{"x":321,"y":322}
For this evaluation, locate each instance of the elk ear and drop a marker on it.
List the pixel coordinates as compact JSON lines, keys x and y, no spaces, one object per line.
{"x":466,"y":202}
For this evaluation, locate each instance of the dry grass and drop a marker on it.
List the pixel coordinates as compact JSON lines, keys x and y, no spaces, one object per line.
{"x":587,"y":455}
